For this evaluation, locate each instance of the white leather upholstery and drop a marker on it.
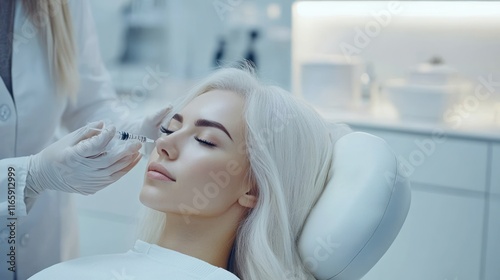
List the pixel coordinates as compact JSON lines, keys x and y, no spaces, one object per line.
{"x":360,"y":212}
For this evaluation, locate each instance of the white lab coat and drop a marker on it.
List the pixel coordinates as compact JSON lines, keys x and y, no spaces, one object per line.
{"x":48,"y":233}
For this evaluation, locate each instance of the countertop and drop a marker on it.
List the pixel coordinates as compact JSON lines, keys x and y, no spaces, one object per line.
{"x":483,"y":126}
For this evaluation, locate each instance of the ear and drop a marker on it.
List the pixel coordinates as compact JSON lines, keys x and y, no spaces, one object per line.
{"x":248,"y":200}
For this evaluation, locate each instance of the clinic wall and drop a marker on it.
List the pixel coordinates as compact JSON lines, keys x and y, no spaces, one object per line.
{"x":110,"y":28}
{"x":195,"y":26}
{"x":192,"y":29}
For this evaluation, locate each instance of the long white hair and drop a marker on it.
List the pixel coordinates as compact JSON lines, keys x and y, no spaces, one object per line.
{"x":290,"y":152}
{"x":53,"y":20}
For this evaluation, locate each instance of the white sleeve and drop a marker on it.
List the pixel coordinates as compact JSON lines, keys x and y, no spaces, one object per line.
{"x":96,"y":99}
{"x":13,"y":173}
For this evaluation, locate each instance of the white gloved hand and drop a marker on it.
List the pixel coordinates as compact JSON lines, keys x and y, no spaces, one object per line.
{"x":82,"y":161}
{"x":150,"y":125}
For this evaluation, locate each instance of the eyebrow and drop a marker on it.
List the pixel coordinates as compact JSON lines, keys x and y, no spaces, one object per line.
{"x":205,"y":122}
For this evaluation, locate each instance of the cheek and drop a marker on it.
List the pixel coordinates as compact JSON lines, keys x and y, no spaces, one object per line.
{"x":208,"y":174}
{"x":215,"y":184}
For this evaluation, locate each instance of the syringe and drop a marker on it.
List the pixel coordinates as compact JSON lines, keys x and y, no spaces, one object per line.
{"x":123,"y":135}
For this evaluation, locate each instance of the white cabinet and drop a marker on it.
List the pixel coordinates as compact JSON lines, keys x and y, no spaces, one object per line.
{"x":441,"y":239}
{"x":495,"y":170}
{"x":492,"y":264}
{"x":440,"y":161}
{"x":452,"y":231}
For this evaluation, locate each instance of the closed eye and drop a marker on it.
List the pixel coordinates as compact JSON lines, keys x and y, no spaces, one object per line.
{"x":201,"y":141}
{"x":205,"y":142}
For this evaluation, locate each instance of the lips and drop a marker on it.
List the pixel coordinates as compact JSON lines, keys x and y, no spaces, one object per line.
{"x":157,"y":171}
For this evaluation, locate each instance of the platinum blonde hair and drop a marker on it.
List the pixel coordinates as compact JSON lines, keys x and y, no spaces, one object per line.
{"x":290,"y":151}
{"x":53,"y":20}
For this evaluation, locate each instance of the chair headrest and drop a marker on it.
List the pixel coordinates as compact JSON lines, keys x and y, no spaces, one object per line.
{"x":360,"y":212}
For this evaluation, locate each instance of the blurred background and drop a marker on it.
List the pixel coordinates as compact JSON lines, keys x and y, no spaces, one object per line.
{"x":188,"y":39}
{"x":423,"y":75}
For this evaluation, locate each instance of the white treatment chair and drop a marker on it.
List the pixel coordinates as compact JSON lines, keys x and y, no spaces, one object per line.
{"x":360,"y":212}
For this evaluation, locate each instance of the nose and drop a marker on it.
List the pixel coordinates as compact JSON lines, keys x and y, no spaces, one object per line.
{"x":165,"y":146}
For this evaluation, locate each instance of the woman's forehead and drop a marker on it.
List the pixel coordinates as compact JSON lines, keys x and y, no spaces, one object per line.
{"x":222,"y":106}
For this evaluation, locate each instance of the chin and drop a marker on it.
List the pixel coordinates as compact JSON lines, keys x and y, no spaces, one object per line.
{"x":150,"y":196}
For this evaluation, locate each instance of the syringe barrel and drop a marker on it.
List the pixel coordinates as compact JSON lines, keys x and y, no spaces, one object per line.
{"x":123,"y":135}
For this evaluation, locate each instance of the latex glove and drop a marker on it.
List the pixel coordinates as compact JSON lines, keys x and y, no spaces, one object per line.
{"x":150,"y":125}
{"x":82,"y":161}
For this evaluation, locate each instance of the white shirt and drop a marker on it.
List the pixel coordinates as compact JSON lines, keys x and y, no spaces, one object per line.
{"x":144,"y":261}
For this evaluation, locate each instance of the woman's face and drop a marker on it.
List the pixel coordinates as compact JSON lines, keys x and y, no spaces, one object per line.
{"x":199,"y":165}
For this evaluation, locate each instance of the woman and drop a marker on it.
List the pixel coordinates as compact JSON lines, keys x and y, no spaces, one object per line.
{"x":231,"y":182}
{"x":52,"y":76}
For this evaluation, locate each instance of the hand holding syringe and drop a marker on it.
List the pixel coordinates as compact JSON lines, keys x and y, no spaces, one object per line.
{"x":84,"y":161}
